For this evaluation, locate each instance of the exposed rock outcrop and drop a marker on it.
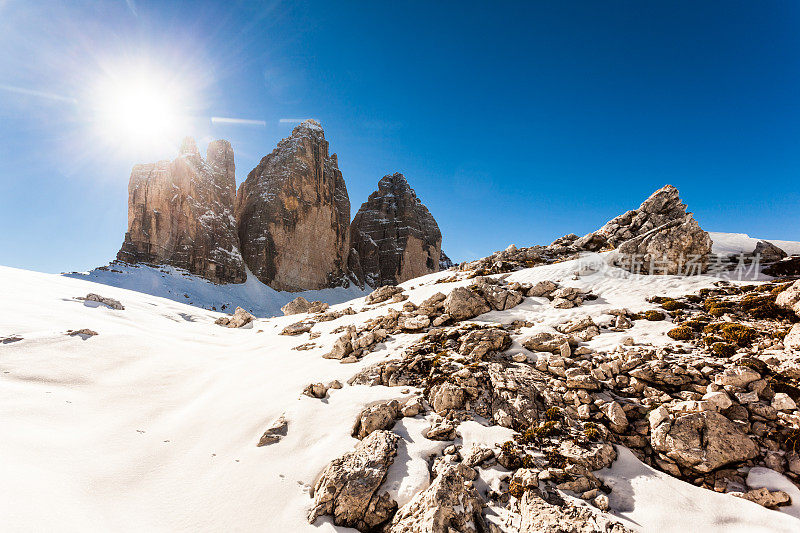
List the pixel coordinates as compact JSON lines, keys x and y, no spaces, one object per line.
{"x":677,"y":247}
{"x":768,"y":252}
{"x":293,"y":214}
{"x":703,"y":441}
{"x":449,"y":504}
{"x":348,"y":488}
{"x":180,"y":213}
{"x":393,"y":236}
{"x":445,"y":262}
{"x":661,"y":207}
{"x":659,"y":237}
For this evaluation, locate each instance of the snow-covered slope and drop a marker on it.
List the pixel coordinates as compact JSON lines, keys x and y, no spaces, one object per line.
{"x":179,"y":285}
{"x":742,"y":243}
{"x":152,"y":424}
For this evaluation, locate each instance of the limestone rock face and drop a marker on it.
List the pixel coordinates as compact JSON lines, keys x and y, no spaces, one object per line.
{"x":180,"y":213}
{"x":677,"y":247}
{"x":659,"y":237}
{"x":661,"y":207}
{"x":393,"y":236}
{"x":293,"y":214}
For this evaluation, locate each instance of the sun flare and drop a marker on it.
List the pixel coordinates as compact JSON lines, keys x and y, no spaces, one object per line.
{"x":141,"y":111}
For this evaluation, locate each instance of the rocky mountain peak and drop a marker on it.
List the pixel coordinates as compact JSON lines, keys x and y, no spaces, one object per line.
{"x":189,"y":147}
{"x":395,"y":183}
{"x":309,"y":124}
{"x":293,"y":214}
{"x":180,"y":213}
{"x":290,"y":218}
{"x":393,"y":236}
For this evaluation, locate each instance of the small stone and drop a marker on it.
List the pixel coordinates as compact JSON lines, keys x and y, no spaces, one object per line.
{"x":657,"y":415}
{"x":316,"y":390}
{"x":738,"y":376}
{"x":783,"y":402}
{"x":601,"y":502}
{"x":766,"y":498}
{"x":278,"y":429}
{"x":747,"y":397}
{"x":718,"y":400}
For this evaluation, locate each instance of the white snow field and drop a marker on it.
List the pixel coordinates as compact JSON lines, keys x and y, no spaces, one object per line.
{"x":152,"y":424}
{"x":738,"y":243}
{"x":179,"y":285}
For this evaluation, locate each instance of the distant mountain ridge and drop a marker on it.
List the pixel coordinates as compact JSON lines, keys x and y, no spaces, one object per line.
{"x":288,"y":223}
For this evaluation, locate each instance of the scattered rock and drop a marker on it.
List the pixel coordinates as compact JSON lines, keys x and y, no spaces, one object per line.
{"x":316,"y":390}
{"x":447,"y":396}
{"x":766,"y":498}
{"x":542,"y":288}
{"x":85,"y":333}
{"x":297,"y":328}
{"x":375,"y":417}
{"x":463,"y":303}
{"x":412,"y":407}
{"x":790,"y":298}
{"x":275,"y":431}
{"x":413,"y":323}
{"x":296,"y":306}
{"x":441,"y":429}
{"x":110,"y":302}
{"x":546,"y":342}
{"x":239,"y":318}
{"x":381,"y":294}
{"x":479,"y":342}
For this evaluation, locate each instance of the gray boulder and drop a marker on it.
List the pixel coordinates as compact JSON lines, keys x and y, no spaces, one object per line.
{"x":449,"y":505}
{"x":677,"y":247}
{"x":375,"y":417}
{"x":463,"y":303}
{"x":277,"y":430}
{"x":348,"y":489}
{"x":239,"y":318}
{"x":768,"y":252}
{"x":703,"y":441}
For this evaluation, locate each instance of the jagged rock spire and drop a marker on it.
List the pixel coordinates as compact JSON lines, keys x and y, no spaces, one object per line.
{"x":180,"y":213}
{"x":293,"y":214}
{"x":394,"y":236}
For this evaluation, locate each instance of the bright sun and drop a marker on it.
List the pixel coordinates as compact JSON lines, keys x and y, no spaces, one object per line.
{"x":141,"y":112}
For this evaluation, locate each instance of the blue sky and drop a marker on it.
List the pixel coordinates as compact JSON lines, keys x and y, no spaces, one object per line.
{"x":514,"y":122}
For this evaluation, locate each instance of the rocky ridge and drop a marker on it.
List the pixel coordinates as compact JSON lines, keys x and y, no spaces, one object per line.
{"x":660,"y":237}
